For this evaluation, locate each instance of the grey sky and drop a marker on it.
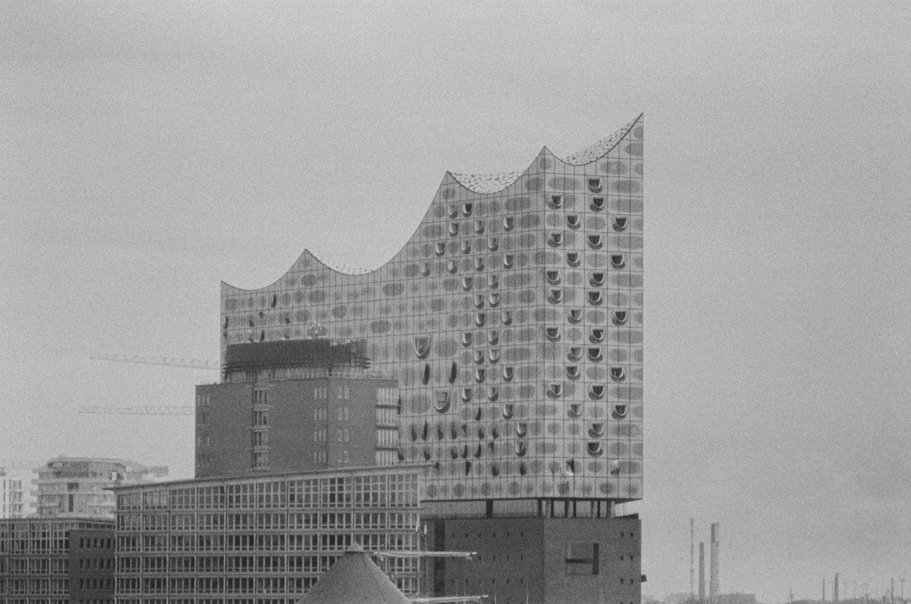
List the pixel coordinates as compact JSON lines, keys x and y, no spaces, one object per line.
{"x":154,"y":149}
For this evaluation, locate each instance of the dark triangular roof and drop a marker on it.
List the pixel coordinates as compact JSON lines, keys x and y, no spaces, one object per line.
{"x":355,"y":579}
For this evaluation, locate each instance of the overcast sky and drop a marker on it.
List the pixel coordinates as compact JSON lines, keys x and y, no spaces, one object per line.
{"x":153,"y":149}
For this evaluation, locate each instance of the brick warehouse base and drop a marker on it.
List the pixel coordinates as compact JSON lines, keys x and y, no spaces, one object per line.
{"x":542,"y":560}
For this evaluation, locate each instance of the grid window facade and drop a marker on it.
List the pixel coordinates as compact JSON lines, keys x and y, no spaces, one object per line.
{"x":261,"y":537}
{"x":512,"y":319}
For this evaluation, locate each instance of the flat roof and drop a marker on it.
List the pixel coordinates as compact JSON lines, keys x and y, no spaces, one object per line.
{"x":403,"y":468}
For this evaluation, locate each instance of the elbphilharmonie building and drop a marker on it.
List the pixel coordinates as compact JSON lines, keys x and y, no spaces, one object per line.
{"x":512,"y":320}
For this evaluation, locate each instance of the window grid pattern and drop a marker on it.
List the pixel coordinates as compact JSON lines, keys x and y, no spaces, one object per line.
{"x":262,"y":537}
{"x":513,"y":321}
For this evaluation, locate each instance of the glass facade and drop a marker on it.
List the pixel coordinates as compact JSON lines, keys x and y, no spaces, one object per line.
{"x":261,"y":539}
{"x":35,"y":558}
{"x":512,"y":320}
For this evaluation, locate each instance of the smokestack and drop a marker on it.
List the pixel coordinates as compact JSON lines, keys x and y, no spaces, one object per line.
{"x":692,"y":533}
{"x":701,"y":572}
{"x":714,"y":562}
{"x":835,"y":590}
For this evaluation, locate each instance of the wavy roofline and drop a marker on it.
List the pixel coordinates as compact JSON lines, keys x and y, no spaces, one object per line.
{"x":620,"y":133}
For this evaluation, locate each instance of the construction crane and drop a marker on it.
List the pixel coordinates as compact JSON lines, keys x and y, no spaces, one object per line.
{"x":146,"y":410}
{"x":165,"y":361}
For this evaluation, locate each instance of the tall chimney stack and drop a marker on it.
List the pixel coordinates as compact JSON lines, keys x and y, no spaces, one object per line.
{"x":692,"y":536}
{"x":701,"y":572}
{"x":714,"y":586}
{"x":835,"y":590}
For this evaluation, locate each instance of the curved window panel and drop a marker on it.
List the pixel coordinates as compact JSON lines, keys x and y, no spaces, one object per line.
{"x":479,"y":357}
{"x":453,"y":229}
{"x":556,"y":202}
{"x":573,"y":259}
{"x":479,"y":264}
{"x":573,"y":221}
{"x":480,"y":375}
{"x":493,"y":356}
{"x":617,"y":374}
{"x":493,"y":394}
{"x":453,"y":372}
{"x":506,"y":317}
{"x":553,"y":277}
{"x":422,"y":346}
{"x":555,"y":390}
{"x":509,"y":222}
{"x":452,"y":266}
{"x":509,"y":260}
{"x":552,"y":333}
{"x":595,"y":355}
{"x":597,"y":335}
{"x":573,"y":372}
{"x":574,"y":316}
{"x":594,"y":449}
{"x":479,"y":300}
{"x":596,"y":392}
{"x":467,"y":283}
{"x":617,"y":261}
{"x":494,"y":299}
{"x":452,"y":212}
{"x":466,"y":338}
{"x":508,"y":374}
{"x":620,"y":223}
{"x":508,"y":410}
{"x":465,"y":246}
{"x":555,"y":296}
{"x":555,"y":239}
{"x":441,"y":402}
{"x":596,"y":429}
{"x":594,"y":185}
{"x":480,"y":319}
{"x":521,"y":448}
{"x":575,"y":353}
{"x":597,"y":279}
{"x":493,"y":244}
{"x":440,"y":249}
{"x":493,"y":337}
{"x":619,"y":411}
{"x":595,"y":298}
{"x":425,"y":269}
{"x":467,"y":393}
{"x":479,"y":227}
{"x":595,"y":242}
{"x":619,"y":317}
{"x":575,"y":410}
{"x":493,"y":282}
{"x":466,"y":209}
{"x":597,"y":204}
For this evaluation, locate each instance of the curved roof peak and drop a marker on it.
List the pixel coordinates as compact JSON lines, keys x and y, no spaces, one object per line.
{"x":599,"y":149}
{"x":494,"y":182}
{"x":340,"y":268}
{"x":487,"y":183}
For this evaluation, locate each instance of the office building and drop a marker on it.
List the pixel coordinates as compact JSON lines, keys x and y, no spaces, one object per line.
{"x":80,"y":487}
{"x":299,"y":405}
{"x":37,"y":560}
{"x":15,"y":495}
{"x":261,"y":539}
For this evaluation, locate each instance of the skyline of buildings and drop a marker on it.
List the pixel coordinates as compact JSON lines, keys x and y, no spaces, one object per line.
{"x":503,"y":346}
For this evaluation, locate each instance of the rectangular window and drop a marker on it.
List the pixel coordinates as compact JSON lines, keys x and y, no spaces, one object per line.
{"x":581,"y":558}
